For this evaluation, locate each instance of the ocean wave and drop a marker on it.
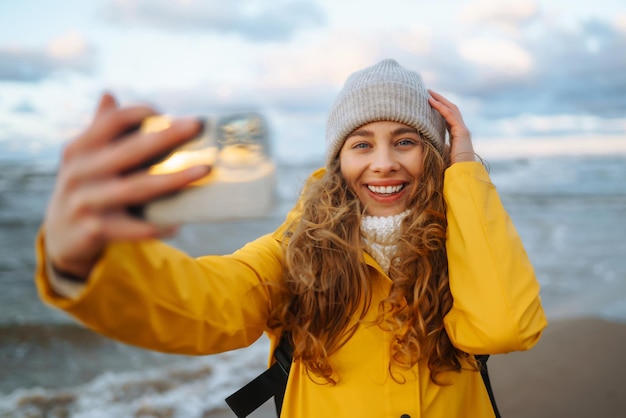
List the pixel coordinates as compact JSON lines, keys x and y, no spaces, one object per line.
{"x":183,"y":387}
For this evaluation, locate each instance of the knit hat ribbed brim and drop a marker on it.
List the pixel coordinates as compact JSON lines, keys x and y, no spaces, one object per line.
{"x":383,"y":92}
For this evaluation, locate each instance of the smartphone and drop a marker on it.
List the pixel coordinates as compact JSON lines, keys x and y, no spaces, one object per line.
{"x":240,"y":185}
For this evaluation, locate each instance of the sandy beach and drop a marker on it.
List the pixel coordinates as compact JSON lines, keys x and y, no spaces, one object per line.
{"x":577,"y":370}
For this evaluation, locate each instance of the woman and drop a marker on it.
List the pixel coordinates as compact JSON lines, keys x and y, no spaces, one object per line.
{"x":397,"y":265}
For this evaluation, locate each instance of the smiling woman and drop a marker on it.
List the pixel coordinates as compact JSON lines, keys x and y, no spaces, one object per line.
{"x":385,"y":279}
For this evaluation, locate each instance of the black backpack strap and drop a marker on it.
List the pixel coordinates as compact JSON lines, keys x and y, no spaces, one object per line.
{"x":272,"y":382}
{"x":284,"y":356}
{"x":484,"y":373}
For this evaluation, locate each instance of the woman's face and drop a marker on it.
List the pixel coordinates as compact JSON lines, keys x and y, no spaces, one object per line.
{"x":382,"y":162}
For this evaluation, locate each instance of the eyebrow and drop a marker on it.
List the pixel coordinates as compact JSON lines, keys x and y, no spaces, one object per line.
{"x":396,"y":132}
{"x":405,"y":130}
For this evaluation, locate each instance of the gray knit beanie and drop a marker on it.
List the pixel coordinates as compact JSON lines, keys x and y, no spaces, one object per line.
{"x":384,"y":92}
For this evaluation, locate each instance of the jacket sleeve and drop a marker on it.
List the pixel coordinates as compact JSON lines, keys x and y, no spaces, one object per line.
{"x":153,"y":296}
{"x":497,"y":307}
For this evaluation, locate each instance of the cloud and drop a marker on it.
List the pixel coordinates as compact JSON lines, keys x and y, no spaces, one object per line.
{"x":549,"y":70}
{"x":296,"y":78}
{"x":497,"y":57}
{"x":308,"y":99}
{"x":620,"y":22}
{"x":328,"y":61}
{"x":496,"y":12}
{"x":506,"y":84}
{"x":578,"y":72}
{"x":24,"y":107}
{"x":67,"y":52}
{"x":18,"y":65}
{"x":296,"y":115}
{"x":255,"y":20}
{"x":68,"y":46}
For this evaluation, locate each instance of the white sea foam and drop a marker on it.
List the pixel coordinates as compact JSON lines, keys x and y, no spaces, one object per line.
{"x":551,"y":146}
{"x":185,"y":389}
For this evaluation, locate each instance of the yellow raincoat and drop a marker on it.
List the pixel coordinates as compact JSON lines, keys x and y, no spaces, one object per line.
{"x":151,"y":295}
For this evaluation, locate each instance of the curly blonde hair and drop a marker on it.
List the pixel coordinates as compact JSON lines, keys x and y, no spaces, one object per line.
{"x":326,"y":282}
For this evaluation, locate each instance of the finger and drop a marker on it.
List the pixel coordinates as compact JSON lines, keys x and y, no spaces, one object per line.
{"x":135,"y":150}
{"x":134,"y":229}
{"x":446,"y":108}
{"x":442,"y":108}
{"x":118,"y":226}
{"x":109,"y":123}
{"x":443,"y":105}
{"x":106,"y":103}
{"x":113,"y":124}
{"x":440,"y":98}
{"x":119,"y":157}
{"x":120,"y":192}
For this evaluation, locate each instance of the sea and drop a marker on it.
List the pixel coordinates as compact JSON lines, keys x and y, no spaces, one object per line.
{"x":570,"y":211}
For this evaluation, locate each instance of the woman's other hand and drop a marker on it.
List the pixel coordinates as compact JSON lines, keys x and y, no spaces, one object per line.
{"x":461,"y":148}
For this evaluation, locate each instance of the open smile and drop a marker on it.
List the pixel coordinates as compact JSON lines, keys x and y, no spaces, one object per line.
{"x":386,"y":190}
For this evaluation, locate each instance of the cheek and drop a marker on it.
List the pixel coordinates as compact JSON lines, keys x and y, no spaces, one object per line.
{"x":415,"y":165}
{"x":352,"y":181}
{"x":346,"y":167}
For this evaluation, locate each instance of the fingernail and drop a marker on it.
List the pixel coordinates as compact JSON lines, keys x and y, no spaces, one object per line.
{"x":200,"y":170}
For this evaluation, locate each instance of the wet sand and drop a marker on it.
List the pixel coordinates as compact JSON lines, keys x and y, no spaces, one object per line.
{"x":577,"y":370}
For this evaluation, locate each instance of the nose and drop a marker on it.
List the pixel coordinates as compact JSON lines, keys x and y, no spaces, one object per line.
{"x":383,"y":160}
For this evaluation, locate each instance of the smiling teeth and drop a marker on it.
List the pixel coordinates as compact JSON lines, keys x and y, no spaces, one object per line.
{"x":386,"y":189}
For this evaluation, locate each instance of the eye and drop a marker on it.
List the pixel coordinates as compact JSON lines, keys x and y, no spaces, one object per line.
{"x":360,"y":145}
{"x":406,"y":142}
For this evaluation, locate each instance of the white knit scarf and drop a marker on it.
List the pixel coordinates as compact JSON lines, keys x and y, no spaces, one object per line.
{"x":380,"y":234}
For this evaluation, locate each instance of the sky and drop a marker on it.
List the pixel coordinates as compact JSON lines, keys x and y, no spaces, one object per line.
{"x":531,"y":77}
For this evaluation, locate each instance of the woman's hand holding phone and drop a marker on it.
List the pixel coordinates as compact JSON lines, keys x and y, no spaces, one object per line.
{"x":97,"y":182}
